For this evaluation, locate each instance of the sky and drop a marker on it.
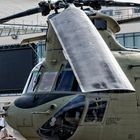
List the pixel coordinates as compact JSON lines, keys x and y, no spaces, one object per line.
{"x":8,"y":7}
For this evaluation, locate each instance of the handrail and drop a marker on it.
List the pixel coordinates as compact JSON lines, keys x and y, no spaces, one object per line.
{"x":20,"y":29}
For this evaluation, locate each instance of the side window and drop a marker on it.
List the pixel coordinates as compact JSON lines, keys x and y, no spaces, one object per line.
{"x":66,"y":80}
{"x":100,"y":24}
{"x":33,"y":81}
{"x":47,"y":81}
{"x":96,"y":110}
{"x":64,"y":123}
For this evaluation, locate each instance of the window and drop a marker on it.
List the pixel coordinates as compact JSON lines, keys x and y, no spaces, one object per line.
{"x":137,"y":41}
{"x":47,"y":81}
{"x":108,"y":12}
{"x":100,"y":24}
{"x":66,"y":80}
{"x":117,"y":12}
{"x":136,"y":10}
{"x":96,"y":110}
{"x":129,"y":41}
{"x":41,"y":50}
{"x":33,"y":80}
{"x":65,"y":122}
{"x":120,"y":38}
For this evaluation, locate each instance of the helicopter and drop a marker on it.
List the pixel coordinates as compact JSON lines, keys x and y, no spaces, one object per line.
{"x":88,"y":85}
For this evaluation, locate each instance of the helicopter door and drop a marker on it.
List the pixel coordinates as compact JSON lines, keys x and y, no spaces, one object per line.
{"x":64,"y":123}
{"x":92,"y":120}
{"x":135,"y":73}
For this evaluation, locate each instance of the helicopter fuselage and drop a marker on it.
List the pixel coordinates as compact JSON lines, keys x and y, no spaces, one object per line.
{"x":99,"y":116}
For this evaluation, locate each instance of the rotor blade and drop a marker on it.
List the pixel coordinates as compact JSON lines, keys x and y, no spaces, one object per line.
{"x":96,"y":4}
{"x":22,"y":14}
{"x":128,"y":1}
{"x":94,"y":66}
{"x":122,"y":3}
{"x":129,"y":20}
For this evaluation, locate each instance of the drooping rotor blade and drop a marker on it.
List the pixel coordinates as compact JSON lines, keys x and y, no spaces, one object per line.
{"x":125,"y":3}
{"x":22,"y":14}
{"x":96,"y":4}
{"x":129,"y":20}
{"x":94,"y":66}
{"x":128,"y":1}
{"x":43,"y":8}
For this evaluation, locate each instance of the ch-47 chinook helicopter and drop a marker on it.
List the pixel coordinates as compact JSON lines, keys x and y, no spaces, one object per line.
{"x":80,"y":91}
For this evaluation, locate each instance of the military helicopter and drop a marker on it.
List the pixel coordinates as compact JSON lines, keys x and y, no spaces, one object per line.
{"x":80,"y":91}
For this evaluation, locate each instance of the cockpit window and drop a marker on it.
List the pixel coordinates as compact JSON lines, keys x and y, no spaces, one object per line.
{"x":96,"y":110}
{"x":33,"y":81}
{"x":76,"y":102}
{"x":65,"y":122}
{"x":47,"y":81}
{"x":66,"y":80}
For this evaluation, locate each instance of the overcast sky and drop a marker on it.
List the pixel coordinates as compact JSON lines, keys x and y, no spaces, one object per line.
{"x":8,"y":7}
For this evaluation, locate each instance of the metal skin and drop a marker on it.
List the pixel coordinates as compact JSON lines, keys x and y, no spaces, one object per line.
{"x":120,"y":111}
